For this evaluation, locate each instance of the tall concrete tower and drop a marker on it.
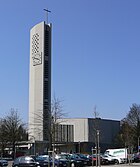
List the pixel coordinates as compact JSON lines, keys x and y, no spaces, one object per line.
{"x":40,"y":82}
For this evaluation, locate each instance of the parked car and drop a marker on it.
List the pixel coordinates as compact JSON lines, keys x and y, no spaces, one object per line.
{"x":61,"y":162}
{"x":93,"y":159}
{"x":73,"y":160}
{"x":88,"y":161}
{"x":130,"y":158}
{"x":77,"y":161}
{"x":121,"y":154}
{"x":112,"y":159}
{"x":43,"y":160}
{"x":103,"y":160}
{"x":3,"y":162}
{"x":136,"y":157}
{"x":25,"y":161}
{"x":46,"y":160}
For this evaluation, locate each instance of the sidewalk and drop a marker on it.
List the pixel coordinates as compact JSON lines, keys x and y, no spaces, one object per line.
{"x":121,"y":165}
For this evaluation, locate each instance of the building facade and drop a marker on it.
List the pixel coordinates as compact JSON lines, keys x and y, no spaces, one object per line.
{"x":85,"y":133}
{"x":40,"y":82}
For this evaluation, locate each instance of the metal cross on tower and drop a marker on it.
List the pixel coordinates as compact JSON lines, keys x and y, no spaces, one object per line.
{"x":47,"y":11}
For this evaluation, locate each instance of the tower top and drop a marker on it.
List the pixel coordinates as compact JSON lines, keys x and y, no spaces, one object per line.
{"x":47,"y":11}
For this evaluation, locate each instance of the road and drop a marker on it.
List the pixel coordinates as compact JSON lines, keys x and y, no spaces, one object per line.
{"x":125,"y":165}
{"x":122,"y":165}
{"x":119,"y":165}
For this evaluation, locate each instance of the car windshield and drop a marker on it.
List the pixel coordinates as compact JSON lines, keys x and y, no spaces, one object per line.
{"x":82,"y":156}
{"x":111,"y":155}
{"x":73,"y":156}
{"x":42,"y":158}
{"x":26,"y":159}
{"x":61,"y":156}
{"x":93,"y":155}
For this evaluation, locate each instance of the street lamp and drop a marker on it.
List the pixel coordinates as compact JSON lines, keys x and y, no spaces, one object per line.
{"x":138,"y":143}
{"x":32,"y":137}
{"x":92,"y":152}
{"x":98,"y":147}
{"x":79,"y":148}
{"x":92,"y":155}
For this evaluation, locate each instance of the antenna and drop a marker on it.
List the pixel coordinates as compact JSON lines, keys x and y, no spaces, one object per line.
{"x":47,"y":11}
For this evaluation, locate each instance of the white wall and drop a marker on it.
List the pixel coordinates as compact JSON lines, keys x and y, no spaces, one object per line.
{"x":36,"y":86}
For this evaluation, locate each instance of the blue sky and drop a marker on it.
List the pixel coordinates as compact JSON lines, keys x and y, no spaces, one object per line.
{"x":95,"y":55}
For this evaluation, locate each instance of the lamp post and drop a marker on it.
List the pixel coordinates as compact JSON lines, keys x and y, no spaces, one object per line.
{"x":34,"y":145}
{"x":79,"y":148}
{"x":32,"y":137}
{"x":138,"y":143}
{"x":98,"y":147}
{"x":92,"y":155}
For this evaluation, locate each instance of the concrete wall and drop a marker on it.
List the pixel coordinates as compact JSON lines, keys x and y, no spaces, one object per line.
{"x":80,"y":128}
{"x":108,"y":130}
{"x":36,"y":83}
{"x":85,"y":129}
{"x":40,"y":82}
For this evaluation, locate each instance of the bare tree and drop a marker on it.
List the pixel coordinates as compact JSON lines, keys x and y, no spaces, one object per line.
{"x":13,"y":129}
{"x":56,"y":112}
{"x":96,"y":124}
{"x":3,"y":138}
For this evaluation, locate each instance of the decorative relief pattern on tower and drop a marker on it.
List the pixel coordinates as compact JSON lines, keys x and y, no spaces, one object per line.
{"x":36,"y":54}
{"x":35,"y":43}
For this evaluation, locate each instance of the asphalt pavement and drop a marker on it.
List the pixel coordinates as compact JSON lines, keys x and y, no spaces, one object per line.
{"x":122,"y":165}
{"x":118,"y":165}
{"x":10,"y":163}
{"x":125,"y":165}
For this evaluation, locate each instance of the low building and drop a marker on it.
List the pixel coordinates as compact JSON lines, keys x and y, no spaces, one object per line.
{"x":83,"y":134}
